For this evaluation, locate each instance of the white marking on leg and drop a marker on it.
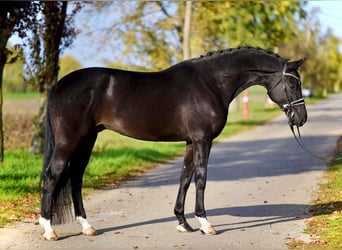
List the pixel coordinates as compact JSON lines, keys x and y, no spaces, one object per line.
{"x":204,"y":222}
{"x":206,"y":226}
{"x":49,"y":233}
{"x":46,"y":224}
{"x":83,"y":222}
{"x":87,"y":229}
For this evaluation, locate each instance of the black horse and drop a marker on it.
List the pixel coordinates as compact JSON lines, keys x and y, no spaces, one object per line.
{"x":186,"y":102}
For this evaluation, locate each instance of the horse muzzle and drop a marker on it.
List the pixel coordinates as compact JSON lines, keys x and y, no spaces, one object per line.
{"x":297,"y":116}
{"x":296,"y":121}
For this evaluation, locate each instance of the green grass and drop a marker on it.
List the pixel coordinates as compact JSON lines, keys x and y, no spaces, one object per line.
{"x":19,"y":175}
{"x":114,"y":159}
{"x":19,"y":179}
{"x":326,"y":221}
{"x":27,"y":95}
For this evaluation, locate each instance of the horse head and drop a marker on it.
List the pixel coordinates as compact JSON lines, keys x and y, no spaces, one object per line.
{"x":286,"y":91}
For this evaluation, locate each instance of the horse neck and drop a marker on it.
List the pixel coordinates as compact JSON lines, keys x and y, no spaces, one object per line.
{"x":231,"y":79}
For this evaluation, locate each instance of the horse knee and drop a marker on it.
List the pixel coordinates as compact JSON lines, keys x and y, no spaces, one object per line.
{"x":200,"y":182}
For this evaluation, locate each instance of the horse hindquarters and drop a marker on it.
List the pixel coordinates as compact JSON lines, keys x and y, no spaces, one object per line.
{"x":63,"y":178}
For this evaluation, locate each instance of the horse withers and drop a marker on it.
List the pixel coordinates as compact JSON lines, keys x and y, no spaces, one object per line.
{"x":186,"y":102}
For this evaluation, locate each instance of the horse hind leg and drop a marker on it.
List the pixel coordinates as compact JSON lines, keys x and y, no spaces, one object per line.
{"x":78,"y":165}
{"x":185,"y":179}
{"x":54,"y":178}
{"x":49,"y":233}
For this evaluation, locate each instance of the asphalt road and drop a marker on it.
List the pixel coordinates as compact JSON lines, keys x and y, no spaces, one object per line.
{"x":260,"y":184}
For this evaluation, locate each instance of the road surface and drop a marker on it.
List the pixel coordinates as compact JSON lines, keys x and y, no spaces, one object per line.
{"x":260,"y":184}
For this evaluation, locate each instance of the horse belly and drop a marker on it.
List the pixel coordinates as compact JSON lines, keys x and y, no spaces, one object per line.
{"x":146,"y":111}
{"x":149,"y":127}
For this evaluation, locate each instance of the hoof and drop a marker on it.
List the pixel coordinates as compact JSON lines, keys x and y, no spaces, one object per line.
{"x":185,"y":227}
{"x":52,"y":236}
{"x":208,"y":230}
{"x":90,"y":231}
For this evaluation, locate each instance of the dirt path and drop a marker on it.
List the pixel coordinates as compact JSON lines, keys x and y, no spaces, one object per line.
{"x":260,"y":184}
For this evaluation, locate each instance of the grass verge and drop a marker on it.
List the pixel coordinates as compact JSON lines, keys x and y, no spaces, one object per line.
{"x":19,"y":181}
{"x":325,"y":226}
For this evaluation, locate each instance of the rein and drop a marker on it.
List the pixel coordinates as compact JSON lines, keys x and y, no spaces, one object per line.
{"x":302,"y":145}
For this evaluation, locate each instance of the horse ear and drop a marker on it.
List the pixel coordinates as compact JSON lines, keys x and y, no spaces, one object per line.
{"x":294,"y":65}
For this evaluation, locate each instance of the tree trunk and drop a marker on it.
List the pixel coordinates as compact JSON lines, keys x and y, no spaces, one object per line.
{"x":186,"y":31}
{"x":2,"y":66}
{"x":54,"y":28}
{"x":4,"y":36}
{"x":336,"y":87}
{"x":37,"y":142}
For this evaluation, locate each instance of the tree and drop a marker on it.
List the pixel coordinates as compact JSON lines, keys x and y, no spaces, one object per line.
{"x":187,"y":31}
{"x":53,"y":32}
{"x":322,"y":71}
{"x":15,"y":17}
{"x":68,"y":64}
{"x":13,"y":76}
{"x":334,"y":61}
{"x":259,"y":23}
{"x":215,"y":25}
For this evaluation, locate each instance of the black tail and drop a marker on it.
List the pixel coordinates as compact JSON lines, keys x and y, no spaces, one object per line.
{"x":49,"y":141}
{"x":62,"y":211}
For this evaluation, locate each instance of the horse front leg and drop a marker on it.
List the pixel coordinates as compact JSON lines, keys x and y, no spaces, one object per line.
{"x":185,"y":179}
{"x":201,"y":155}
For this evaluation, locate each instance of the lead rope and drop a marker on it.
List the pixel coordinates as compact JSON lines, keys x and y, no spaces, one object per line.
{"x":302,"y":145}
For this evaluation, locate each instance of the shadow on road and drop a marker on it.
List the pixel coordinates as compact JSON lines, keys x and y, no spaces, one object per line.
{"x":253,"y":216}
{"x":248,"y":159}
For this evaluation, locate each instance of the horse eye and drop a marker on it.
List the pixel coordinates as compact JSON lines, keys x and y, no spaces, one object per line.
{"x":299,"y":82}
{"x":295,"y":84}
{"x":292,"y":84}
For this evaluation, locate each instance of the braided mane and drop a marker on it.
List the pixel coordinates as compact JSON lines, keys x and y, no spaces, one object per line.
{"x":229,"y":50}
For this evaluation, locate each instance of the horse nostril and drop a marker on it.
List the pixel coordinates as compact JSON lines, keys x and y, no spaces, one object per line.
{"x":303,"y":121}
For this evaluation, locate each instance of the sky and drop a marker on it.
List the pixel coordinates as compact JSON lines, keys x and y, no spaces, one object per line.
{"x":330,"y":14}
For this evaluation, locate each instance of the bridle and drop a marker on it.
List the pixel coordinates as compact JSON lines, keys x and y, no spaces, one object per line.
{"x":288,"y":109}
